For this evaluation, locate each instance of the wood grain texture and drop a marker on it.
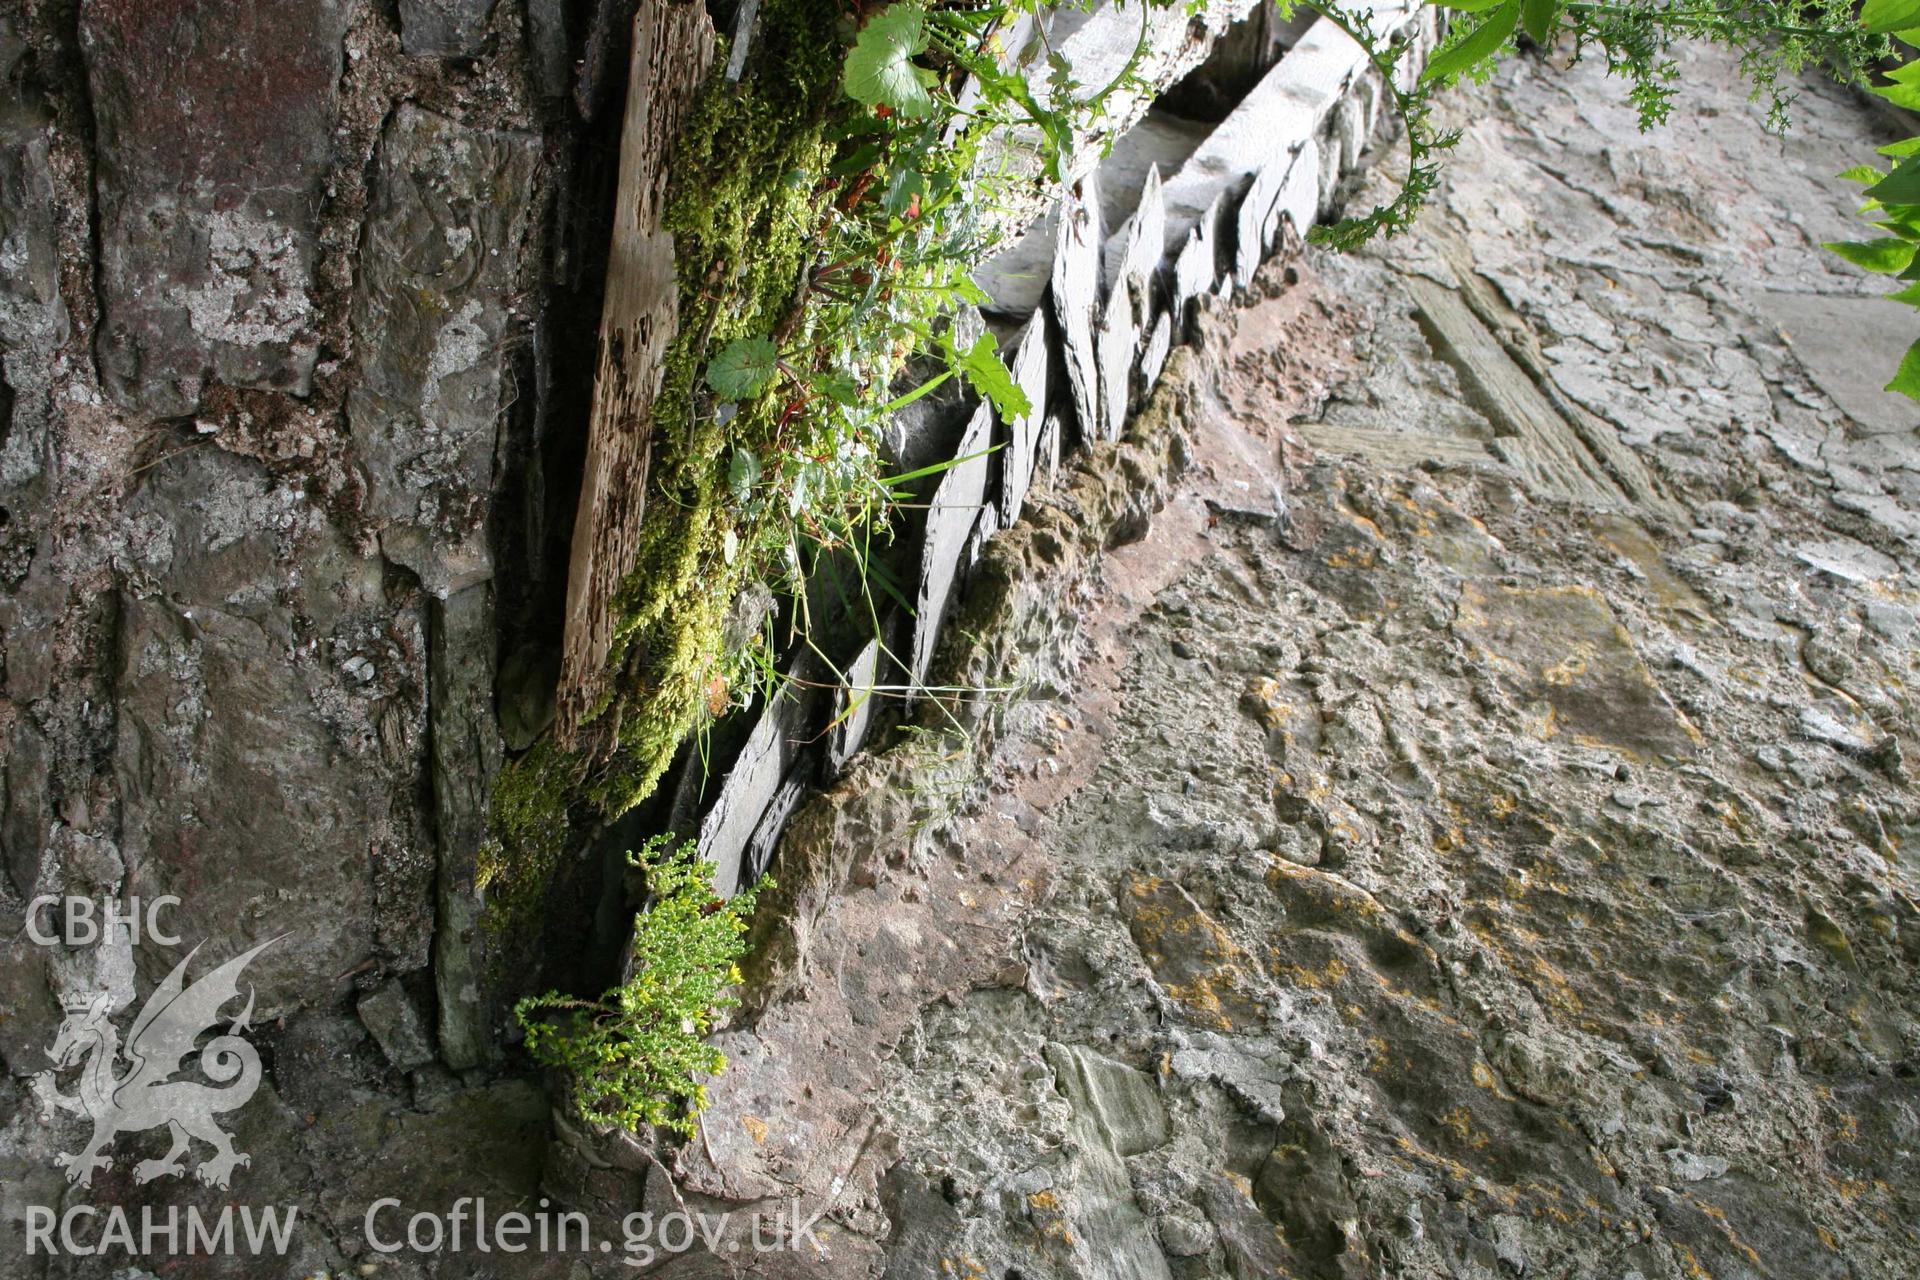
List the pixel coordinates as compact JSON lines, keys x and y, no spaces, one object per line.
{"x":673,"y":46}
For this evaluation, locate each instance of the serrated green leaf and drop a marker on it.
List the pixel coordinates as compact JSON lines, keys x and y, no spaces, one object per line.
{"x":1865,"y":174}
{"x":987,"y":374}
{"x":1902,"y":186}
{"x":743,"y":368}
{"x":1882,"y":17}
{"x":1906,"y":381}
{"x":1484,"y":41}
{"x":1900,"y":150}
{"x":880,"y":69}
{"x":1540,"y":18}
{"x":1883,"y":256}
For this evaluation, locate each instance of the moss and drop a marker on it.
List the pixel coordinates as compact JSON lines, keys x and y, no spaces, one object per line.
{"x":744,"y":204}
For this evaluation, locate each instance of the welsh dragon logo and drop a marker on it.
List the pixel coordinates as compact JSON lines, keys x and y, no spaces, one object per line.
{"x":145,"y":1096}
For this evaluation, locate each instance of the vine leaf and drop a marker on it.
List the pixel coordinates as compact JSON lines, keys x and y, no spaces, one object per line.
{"x":1902,"y":186}
{"x":1483,"y":43}
{"x":1884,"y":256}
{"x":743,"y":368}
{"x":1540,"y":17}
{"x":1883,"y":17}
{"x":984,"y":371}
{"x":880,"y":70}
{"x":1907,"y":381}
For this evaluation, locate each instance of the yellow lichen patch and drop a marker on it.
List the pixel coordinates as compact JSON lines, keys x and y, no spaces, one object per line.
{"x":1196,"y":961}
{"x":756,"y":1128}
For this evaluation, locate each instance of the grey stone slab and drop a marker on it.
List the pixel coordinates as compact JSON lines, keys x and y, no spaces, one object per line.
{"x":444,"y":28}
{"x":1135,"y":251}
{"x":1016,"y":278}
{"x":1287,"y":188}
{"x":390,"y":1014}
{"x":449,"y":210}
{"x":854,"y":707}
{"x":1077,"y":294}
{"x":1850,"y":346}
{"x":772,"y":751}
{"x":955,"y":507}
{"x":215,"y":134}
{"x":1120,"y":1100}
{"x":1031,"y":365}
{"x":1118,"y":342}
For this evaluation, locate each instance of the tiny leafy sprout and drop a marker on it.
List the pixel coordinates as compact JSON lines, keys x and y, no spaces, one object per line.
{"x":743,"y":368}
{"x":881,"y":70}
{"x":636,"y":1055}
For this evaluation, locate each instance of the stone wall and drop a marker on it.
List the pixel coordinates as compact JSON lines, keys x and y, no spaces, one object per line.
{"x":286,"y":296}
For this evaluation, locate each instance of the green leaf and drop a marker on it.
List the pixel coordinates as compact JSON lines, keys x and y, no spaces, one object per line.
{"x":1906,"y":381}
{"x":743,"y":368}
{"x":1909,"y":295}
{"x":1483,"y":43}
{"x":1541,"y":17}
{"x":743,"y":472}
{"x":1468,"y":6}
{"x":1900,"y":150}
{"x":1882,"y":17}
{"x":984,"y":371}
{"x":1885,"y":256}
{"x":1902,"y":186}
{"x":880,"y":69}
{"x":1864,"y":174}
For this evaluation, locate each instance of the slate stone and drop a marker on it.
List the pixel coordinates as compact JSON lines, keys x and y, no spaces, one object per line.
{"x":765,"y":765}
{"x":1119,"y":1099}
{"x":854,"y":705}
{"x":430,"y":321}
{"x":390,"y":1014}
{"x":250,"y":786}
{"x":215,"y":136}
{"x":1031,"y":363}
{"x":954,"y":510}
{"x":444,"y":28}
{"x":1847,"y":344}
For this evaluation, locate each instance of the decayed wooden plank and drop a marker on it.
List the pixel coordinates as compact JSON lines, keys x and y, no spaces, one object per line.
{"x":1076,"y":298}
{"x":673,"y":46}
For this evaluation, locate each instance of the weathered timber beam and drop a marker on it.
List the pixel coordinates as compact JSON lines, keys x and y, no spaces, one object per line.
{"x":673,"y":46}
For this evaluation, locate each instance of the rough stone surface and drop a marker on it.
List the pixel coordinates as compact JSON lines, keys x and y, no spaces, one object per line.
{"x":215,"y":139}
{"x":444,"y":28}
{"x":1431,"y":871}
{"x":450,"y":208}
{"x":225,"y":672}
{"x":396,"y":1025}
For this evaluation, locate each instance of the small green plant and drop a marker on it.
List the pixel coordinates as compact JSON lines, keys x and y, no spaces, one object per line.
{"x":637,"y":1054}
